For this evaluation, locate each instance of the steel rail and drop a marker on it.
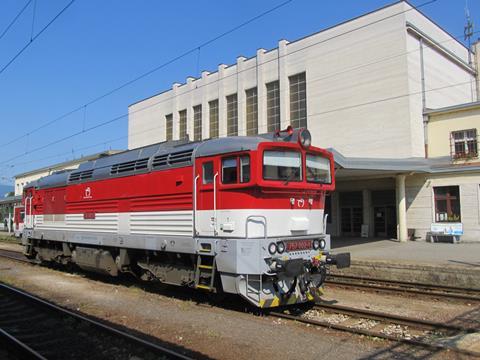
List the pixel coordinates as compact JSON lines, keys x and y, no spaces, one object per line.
{"x":397,"y":319}
{"x":99,"y":325}
{"x":18,"y":347}
{"x":406,"y":283}
{"x":377,"y":334}
{"x":17,"y":257}
{"x":369,"y":284}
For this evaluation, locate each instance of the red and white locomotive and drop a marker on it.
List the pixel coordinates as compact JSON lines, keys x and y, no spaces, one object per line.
{"x":242,"y":215}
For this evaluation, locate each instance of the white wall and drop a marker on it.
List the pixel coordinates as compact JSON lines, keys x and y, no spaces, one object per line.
{"x":358,"y":86}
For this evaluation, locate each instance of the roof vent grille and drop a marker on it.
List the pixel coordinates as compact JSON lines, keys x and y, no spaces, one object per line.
{"x":160,"y":160}
{"x":180,"y":157}
{"x":129,"y":166}
{"x":80,"y":175}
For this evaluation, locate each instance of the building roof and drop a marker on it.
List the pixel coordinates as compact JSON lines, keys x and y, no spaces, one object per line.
{"x":68,"y":163}
{"x":453,"y":108}
{"x":10,"y":199}
{"x":356,"y":166}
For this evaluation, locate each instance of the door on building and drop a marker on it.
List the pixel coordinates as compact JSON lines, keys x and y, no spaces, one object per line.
{"x":385,"y":223}
{"x":351,"y":213}
{"x":351,"y":221}
{"x":385,"y":215}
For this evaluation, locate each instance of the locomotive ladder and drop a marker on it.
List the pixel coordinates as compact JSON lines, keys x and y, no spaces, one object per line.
{"x":205,"y":271}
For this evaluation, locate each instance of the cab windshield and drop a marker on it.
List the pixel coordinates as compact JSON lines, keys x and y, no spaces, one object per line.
{"x":282,"y":165}
{"x":318,"y":169}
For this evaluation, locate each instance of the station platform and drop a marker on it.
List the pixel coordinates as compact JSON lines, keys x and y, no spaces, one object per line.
{"x":415,"y":261}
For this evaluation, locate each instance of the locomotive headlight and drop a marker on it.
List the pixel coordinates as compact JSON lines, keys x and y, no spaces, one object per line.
{"x":305,"y":138}
{"x":322,"y":244}
{"x":272,"y":248}
{"x":281,"y":247}
{"x":316,"y":244}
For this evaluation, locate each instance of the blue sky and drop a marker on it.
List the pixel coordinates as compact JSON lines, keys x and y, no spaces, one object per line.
{"x":96,"y":46}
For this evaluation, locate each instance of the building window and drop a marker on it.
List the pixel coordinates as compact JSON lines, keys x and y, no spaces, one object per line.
{"x":252,"y":111}
{"x":213,"y":118}
{"x":298,"y":101}
{"x":232,"y":115}
{"x":447,"y":203}
{"x":273,"y":106}
{"x":464,"y":144}
{"x":169,"y":127}
{"x":183,"y":124}
{"x":197,"y":123}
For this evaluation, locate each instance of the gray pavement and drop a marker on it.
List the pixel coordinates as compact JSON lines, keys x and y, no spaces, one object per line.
{"x":415,"y":252}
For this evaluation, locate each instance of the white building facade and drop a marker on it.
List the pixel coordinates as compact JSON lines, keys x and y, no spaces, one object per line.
{"x":349,"y":82}
{"x":362,"y":88}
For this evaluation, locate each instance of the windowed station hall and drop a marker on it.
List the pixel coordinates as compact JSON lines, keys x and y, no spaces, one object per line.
{"x":390,"y":93}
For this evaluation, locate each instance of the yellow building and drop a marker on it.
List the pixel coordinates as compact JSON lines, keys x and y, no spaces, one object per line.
{"x":419,"y":198}
{"x":452,"y":132}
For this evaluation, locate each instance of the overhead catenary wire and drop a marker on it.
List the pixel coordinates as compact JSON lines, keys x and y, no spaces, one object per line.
{"x":197,"y":48}
{"x":117,"y":118}
{"x":328,"y":75}
{"x":309,"y":116}
{"x":168,"y":99}
{"x":14,"y":20}
{"x":223,"y":134}
{"x":36,"y":36}
{"x":153,"y":70}
{"x":33,"y":19}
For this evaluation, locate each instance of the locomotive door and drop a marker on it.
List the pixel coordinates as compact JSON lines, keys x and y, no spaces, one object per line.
{"x":206,"y":181}
{"x":29,"y":209}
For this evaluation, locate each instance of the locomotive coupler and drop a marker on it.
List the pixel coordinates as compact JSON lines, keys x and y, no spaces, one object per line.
{"x":340,"y":260}
{"x":290,"y":268}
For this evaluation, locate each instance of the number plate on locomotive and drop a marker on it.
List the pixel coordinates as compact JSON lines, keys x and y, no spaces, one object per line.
{"x":297,"y":245}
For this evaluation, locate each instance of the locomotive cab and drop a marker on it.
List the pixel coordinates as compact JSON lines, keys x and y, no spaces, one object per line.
{"x":265,"y":210}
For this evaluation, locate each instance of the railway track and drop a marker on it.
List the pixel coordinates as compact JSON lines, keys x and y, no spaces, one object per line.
{"x":406,"y":330}
{"x":14,"y":255}
{"x":392,"y":286}
{"x":32,"y":328}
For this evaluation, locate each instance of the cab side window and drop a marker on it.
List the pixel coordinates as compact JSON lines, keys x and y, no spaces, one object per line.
{"x":229,"y":171}
{"x":207,"y":172}
{"x":244,"y":169}
{"x":236,"y":169}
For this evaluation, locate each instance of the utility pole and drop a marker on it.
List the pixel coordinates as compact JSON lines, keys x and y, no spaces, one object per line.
{"x":468,"y":33}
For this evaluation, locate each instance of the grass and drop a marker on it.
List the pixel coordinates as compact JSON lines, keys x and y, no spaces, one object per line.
{"x":5,"y":238}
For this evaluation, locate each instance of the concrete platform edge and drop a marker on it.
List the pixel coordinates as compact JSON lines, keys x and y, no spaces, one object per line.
{"x":450,"y":275}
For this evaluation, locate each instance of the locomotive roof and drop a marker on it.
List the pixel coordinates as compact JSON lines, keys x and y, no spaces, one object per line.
{"x":169,"y":154}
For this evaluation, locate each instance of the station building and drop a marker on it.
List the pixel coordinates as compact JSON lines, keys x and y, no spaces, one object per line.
{"x":391,"y":93}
